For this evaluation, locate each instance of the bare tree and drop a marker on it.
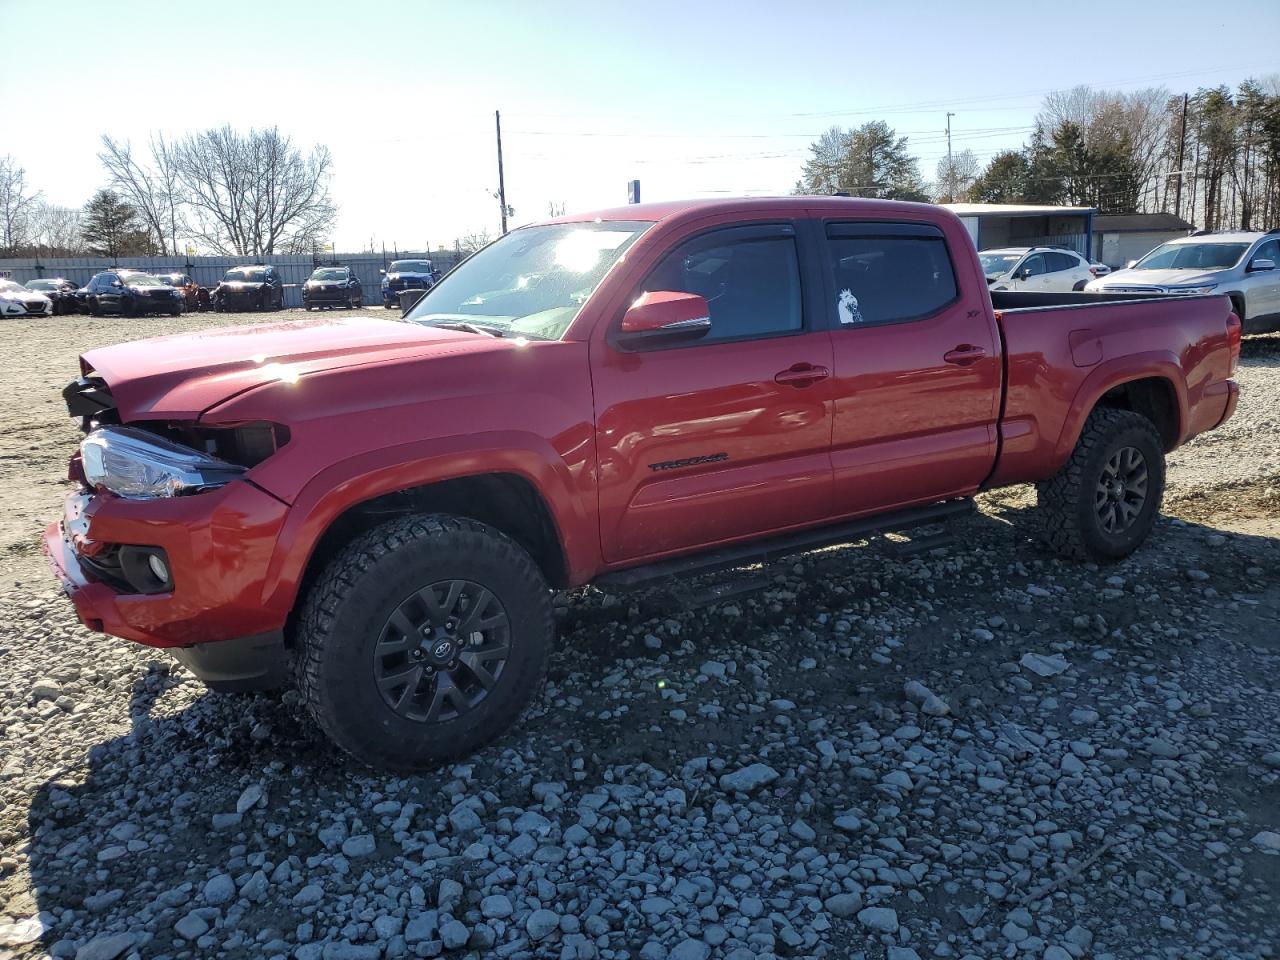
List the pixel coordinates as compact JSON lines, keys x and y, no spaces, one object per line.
{"x":957,"y":176}
{"x":55,"y":231}
{"x":16,"y":205}
{"x":151,"y":186}
{"x":469,"y":243}
{"x":254,"y":193}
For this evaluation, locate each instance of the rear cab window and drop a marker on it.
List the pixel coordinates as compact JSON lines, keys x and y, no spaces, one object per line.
{"x":888,"y":272}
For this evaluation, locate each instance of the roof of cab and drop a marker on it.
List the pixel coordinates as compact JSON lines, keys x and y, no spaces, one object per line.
{"x":788,"y":206}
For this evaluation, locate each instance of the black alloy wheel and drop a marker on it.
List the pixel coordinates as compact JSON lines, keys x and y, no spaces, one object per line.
{"x":441,"y":651}
{"x":1121,"y":490}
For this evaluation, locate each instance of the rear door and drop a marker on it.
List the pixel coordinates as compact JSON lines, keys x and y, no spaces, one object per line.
{"x":728,"y":436}
{"x":917,"y":368}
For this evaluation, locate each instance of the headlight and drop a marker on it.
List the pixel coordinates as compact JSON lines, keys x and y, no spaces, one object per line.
{"x":138,"y":465}
{"x":1203,"y":288}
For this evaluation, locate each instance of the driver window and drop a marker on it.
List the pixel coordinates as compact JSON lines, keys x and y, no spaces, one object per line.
{"x":1033,"y":266}
{"x":752,"y":285}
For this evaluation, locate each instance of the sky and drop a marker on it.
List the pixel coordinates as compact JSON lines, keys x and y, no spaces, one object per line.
{"x":694,"y":99}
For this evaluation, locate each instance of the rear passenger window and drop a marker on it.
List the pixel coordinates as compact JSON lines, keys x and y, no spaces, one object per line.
{"x":1061,"y":261}
{"x":752,"y":285}
{"x":888,"y":273}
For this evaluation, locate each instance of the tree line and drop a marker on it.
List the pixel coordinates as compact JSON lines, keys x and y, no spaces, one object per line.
{"x":1211,"y":157}
{"x":226,"y":191}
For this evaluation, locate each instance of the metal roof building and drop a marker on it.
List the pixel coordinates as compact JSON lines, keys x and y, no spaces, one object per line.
{"x":1120,"y":238}
{"x":994,"y":225}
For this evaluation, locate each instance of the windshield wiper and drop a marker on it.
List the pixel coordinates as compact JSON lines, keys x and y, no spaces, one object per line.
{"x":469,"y":327}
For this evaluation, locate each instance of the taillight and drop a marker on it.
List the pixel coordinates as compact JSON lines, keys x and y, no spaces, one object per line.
{"x":1094,"y":271}
{"x":1233,"y":342}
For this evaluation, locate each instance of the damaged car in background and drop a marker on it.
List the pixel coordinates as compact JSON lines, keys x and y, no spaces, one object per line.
{"x":332,"y":287}
{"x":17,"y":301}
{"x":257,"y":287}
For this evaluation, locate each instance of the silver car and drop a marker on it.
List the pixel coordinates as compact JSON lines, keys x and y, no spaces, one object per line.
{"x":1240,"y":265}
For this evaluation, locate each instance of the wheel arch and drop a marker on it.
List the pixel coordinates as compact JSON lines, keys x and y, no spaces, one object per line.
{"x":1158,"y":393}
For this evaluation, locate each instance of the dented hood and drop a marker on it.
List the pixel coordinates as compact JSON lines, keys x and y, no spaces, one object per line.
{"x":179,"y":377}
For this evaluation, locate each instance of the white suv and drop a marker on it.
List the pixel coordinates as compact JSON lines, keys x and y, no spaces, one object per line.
{"x":1035,"y":269}
{"x":1241,"y":265}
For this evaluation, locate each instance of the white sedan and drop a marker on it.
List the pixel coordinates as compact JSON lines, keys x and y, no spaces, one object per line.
{"x":17,"y":301}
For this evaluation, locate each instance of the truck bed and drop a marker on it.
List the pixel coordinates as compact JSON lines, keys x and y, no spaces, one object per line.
{"x":1064,"y":351}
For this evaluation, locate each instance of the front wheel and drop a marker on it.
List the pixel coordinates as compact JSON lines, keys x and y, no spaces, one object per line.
{"x":423,"y":640}
{"x":1103,"y":503}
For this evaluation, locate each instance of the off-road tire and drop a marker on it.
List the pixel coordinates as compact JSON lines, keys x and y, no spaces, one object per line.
{"x":1069,"y":520}
{"x":345,"y":612}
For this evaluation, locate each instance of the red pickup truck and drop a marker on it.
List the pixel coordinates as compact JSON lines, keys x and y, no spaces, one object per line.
{"x":383,"y":506}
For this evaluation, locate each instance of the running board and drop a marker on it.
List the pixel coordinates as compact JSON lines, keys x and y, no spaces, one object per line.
{"x":762,"y":551}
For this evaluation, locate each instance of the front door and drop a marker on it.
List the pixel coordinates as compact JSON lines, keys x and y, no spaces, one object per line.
{"x":725,"y":437}
{"x":917,"y":368}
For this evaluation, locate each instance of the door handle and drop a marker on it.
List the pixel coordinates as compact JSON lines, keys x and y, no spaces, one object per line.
{"x":964,"y":355}
{"x":801,"y":375}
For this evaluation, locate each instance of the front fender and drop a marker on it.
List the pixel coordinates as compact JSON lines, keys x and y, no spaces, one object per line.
{"x":357,"y":479}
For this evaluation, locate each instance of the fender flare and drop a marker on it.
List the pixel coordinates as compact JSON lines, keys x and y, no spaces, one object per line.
{"x":355,"y":480}
{"x":1155,"y":364}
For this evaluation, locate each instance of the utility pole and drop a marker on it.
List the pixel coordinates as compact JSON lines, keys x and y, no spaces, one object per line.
{"x":951,"y":170}
{"x":502,"y":189}
{"x":1182,"y":146}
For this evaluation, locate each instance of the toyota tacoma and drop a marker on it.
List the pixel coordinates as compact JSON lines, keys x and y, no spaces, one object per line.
{"x":380,"y":509}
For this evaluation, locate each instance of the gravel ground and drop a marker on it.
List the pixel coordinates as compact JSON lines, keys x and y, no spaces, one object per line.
{"x":974,"y":750}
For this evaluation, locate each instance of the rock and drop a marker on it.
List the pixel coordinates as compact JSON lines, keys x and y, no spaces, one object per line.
{"x":929,"y":703}
{"x":361,"y":845}
{"x":249,"y":798}
{"x":21,"y":932}
{"x":464,"y":820}
{"x":496,"y":907}
{"x":346,"y":950}
{"x":1160,"y":747}
{"x":849,"y":823}
{"x":449,"y":893}
{"x":802,"y":831}
{"x":901,"y":953}
{"x":421,"y":927}
{"x":879,"y":919}
{"x":226,"y":821}
{"x":1044,"y":666}
{"x":1197,"y":575}
{"x":454,"y":935}
{"x":541,"y":923}
{"x":219,"y":890}
{"x":749,"y":779}
{"x":690,"y":950}
{"x":191,"y":927}
{"x":106,"y":947}
{"x":308,"y":895}
{"x":843,"y":904}
{"x":1267,"y":841}
{"x":46,"y":688}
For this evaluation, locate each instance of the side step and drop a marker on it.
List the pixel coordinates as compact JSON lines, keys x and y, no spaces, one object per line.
{"x":762,"y":551}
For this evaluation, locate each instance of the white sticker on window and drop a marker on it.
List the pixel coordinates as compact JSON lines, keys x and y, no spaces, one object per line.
{"x":848,"y":307}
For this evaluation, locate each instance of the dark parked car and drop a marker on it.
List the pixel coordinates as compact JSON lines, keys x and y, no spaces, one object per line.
{"x":406,"y":275}
{"x":61,"y":291}
{"x":249,"y":288}
{"x":191,"y":290}
{"x":131,"y":292}
{"x":332,"y":287}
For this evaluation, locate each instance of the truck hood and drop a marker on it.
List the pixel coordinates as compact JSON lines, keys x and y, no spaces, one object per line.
{"x":1159,"y":278}
{"x":179,"y":377}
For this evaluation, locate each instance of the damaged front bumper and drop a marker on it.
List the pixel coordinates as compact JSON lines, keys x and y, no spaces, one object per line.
{"x":218,"y":546}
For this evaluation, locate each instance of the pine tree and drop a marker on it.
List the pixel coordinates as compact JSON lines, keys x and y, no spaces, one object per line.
{"x":112,"y":228}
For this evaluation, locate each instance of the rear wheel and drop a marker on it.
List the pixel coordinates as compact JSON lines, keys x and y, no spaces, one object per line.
{"x":423,"y":640}
{"x":1103,"y":503}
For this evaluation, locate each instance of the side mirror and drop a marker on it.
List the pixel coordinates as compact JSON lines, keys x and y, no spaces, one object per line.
{"x":1130,"y":264}
{"x":381,"y":271}
{"x":1261,"y":263}
{"x":116,"y":283}
{"x":1022,"y":274}
{"x":664,"y":316}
